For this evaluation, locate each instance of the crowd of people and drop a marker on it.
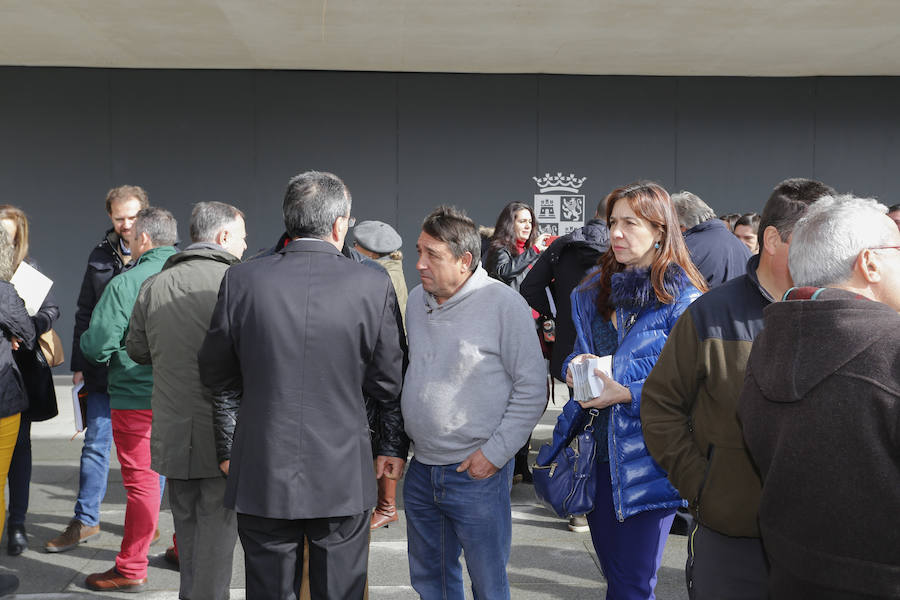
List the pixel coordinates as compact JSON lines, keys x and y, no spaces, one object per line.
{"x":281,"y":399}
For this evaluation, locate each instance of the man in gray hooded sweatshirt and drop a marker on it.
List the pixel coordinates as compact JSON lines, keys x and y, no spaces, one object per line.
{"x":473,"y":393}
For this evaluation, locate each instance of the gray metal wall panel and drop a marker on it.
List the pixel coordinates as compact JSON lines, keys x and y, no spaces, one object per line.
{"x":467,"y":140}
{"x":185,"y":137}
{"x":54,"y":152}
{"x":345,"y":123}
{"x":737,"y":138}
{"x":858,"y":135}
{"x":612,"y":130}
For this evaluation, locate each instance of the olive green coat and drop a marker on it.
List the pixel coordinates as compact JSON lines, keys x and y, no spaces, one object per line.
{"x":169,"y":322}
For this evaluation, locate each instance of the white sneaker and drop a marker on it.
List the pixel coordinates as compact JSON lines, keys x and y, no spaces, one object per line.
{"x":578,"y":524}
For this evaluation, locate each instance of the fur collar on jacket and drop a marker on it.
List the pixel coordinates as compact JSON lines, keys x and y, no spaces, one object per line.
{"x":632,"y":288}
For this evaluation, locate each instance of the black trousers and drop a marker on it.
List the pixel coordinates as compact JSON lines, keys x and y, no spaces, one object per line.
{"x":273,"y":556}
{"x":721,"y":566}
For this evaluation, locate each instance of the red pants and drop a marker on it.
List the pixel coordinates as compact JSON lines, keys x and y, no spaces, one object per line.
{"x":131,"y":432}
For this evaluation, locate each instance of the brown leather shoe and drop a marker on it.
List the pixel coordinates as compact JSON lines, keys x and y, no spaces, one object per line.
{"x":385,"y":511}
{"x":76,"y":533}
{"x":112,"y":580}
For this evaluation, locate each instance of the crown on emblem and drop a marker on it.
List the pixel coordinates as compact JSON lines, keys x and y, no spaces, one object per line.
{"x":560,"y":182}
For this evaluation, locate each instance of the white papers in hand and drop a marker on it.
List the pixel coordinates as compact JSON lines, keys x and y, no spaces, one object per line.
{"x":586,"y":384}
{"x":32,"y":286}
{"x":76,"y":407}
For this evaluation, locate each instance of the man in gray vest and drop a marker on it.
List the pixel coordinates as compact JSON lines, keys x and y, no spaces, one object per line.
{"x":168,"y":325}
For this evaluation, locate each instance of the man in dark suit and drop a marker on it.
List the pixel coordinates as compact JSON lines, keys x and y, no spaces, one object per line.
{"x":298,"y":340}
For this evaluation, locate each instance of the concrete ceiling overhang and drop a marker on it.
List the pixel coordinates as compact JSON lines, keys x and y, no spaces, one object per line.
{"x":636,"y":37}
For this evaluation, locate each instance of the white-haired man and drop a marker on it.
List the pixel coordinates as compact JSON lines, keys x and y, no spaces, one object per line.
{"x":820,"y":408}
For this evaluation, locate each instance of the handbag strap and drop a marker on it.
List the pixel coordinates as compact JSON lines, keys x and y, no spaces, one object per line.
{"x":588,"y":428}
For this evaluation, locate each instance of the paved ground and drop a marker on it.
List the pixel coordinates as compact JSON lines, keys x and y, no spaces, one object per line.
{"x":548,"y":561}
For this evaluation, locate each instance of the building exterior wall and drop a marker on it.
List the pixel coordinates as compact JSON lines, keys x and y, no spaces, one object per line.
{"x":406,"y":142}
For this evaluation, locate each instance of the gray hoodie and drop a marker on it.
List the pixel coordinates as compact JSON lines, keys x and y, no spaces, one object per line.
{"x":476,"y":377}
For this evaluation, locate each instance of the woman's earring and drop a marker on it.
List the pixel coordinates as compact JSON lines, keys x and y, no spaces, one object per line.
{"x":656,"y":245}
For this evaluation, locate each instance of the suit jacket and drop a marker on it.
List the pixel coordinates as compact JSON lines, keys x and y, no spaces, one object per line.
{"x":300,"y":338}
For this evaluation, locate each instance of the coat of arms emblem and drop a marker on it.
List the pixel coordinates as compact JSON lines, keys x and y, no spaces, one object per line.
{"x":559,"y":207}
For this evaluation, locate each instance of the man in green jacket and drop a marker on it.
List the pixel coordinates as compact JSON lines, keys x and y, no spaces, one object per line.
{"x":130,"y":388}
{"x":689,"y":408}
{"x":168,"y":325}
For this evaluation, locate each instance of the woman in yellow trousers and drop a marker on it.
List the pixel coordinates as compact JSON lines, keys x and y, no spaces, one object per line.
{"x":17,"y":329}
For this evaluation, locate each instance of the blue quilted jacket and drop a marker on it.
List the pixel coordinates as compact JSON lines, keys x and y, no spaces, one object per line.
{"x":638,"y":483}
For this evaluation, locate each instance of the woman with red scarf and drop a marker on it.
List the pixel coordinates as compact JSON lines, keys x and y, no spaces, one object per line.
{"x":515,"y":245}
{"x":514,"y":248}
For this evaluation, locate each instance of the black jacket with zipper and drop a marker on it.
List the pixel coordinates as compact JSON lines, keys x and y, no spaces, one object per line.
{"x":561,"y":267}
{"x":14,"y":322}
{"x":104,"y":263}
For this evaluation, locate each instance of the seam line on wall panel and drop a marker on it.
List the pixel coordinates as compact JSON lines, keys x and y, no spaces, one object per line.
{"x":109,"y":124}
{"x":815,"y":118}
{"x":397,"y":149}
{"x":537,"y":126}
{"x":675,"y":117}
{"x":254,"y":132}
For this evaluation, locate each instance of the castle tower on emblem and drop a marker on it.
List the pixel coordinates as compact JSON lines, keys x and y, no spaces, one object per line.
{"x":561,"y":212}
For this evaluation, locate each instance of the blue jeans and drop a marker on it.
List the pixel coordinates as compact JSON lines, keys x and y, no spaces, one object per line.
{"x":94,"y":459}
{"x":448,"y":512}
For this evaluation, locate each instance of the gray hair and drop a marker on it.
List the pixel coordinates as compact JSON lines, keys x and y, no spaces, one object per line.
{"x":159,"y":224}
{"x":691,"y":209}
{"x":7,"y":256}
{"x":209,"y":218}
{"x":829,"y":238}
{"x":313,"y":202}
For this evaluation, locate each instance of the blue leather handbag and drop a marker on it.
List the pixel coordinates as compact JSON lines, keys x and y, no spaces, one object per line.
{"x":565,"y":473}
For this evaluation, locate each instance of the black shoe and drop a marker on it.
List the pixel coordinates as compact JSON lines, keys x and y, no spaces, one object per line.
{"x":527,"y":477}
{"x":8,"y":583}
{"x":16,"y":540}
{"x":521,"y":472}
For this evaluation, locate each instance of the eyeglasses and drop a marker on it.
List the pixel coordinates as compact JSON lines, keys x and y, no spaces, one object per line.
{"x":351,"y":221}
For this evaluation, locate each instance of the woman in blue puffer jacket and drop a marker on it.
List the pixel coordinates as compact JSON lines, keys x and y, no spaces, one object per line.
{"x":627,"y":306}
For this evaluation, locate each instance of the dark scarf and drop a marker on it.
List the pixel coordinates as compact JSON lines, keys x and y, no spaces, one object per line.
{"x":632,"y":288}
